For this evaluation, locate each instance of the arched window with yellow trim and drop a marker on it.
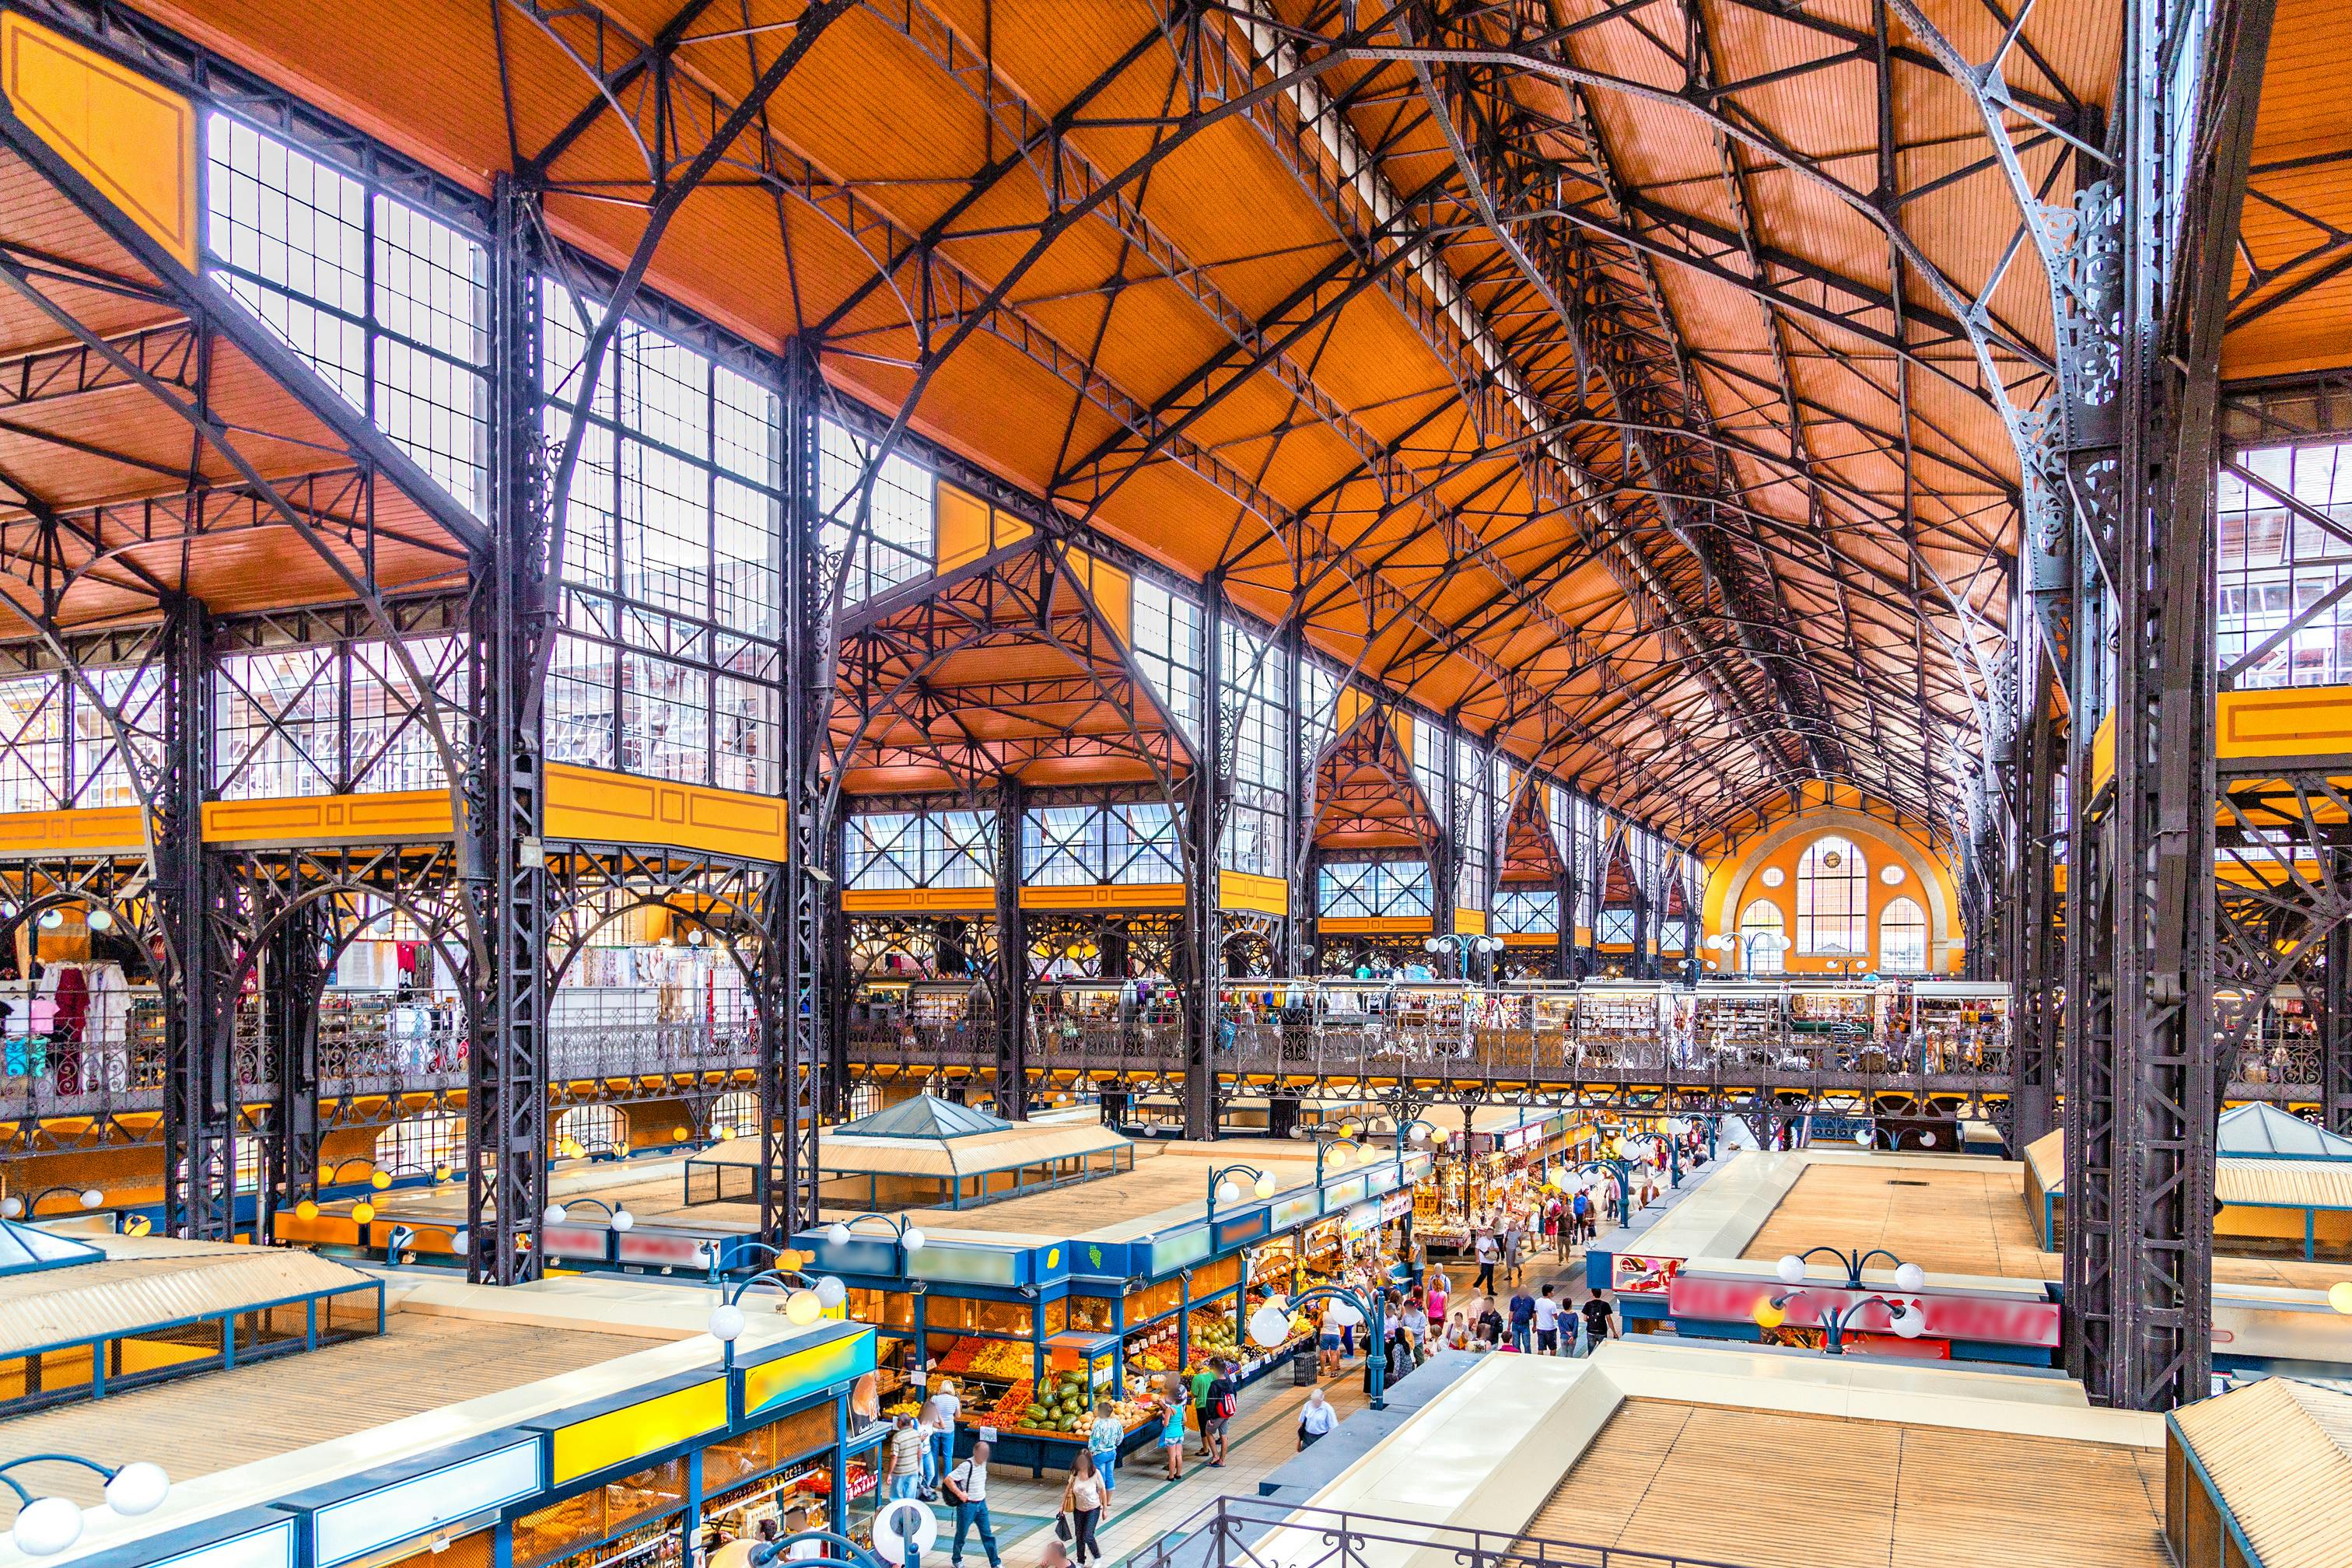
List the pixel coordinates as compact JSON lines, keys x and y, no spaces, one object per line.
{"x":1902,"y":938}
{"x":1834,"y":898}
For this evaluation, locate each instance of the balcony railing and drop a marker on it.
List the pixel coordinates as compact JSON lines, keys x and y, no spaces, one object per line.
{"x":1256,"y":1532}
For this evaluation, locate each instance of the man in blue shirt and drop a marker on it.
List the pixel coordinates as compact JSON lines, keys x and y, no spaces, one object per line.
{"x":1523,"y":1320}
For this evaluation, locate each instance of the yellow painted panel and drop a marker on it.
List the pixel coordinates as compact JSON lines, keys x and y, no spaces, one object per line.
{"x":1402,"y":724}
{"x":1529,"y":938}
{"x":2103,"y":753}
{"x":969,"y":527}
{"x":918,"y":900}
{"x":96,"y":827}
{"x":1247,"y":891}
{"x":586,"y":805}
{"x":1374,"y":925}
{"x":132,"y":140}
{"x":330,"y":818}
{"x":1469,"y":923}
{"x":2298,"y":722}
{"x":1116,"y":896}
{"x":1351,"y":706}
{"x":1584,"y":936}
{"x":1113,"y":591}
{"x":616,"y":1437}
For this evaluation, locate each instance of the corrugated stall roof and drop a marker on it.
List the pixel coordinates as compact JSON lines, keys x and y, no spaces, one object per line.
{"x":143,"y":1284}
{"x":2278,"y":1452}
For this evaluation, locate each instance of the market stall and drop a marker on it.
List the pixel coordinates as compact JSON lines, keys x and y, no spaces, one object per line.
{"x":1035,"y":1306}
{"x":1738,"y":1023}
{"x":1621,"y":1023}
{"x":1952,"y":1025}
{"x":1838,"y":1027}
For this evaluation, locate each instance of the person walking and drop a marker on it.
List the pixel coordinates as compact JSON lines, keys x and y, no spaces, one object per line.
{"x":1486,"y":1251}
{"x":1082,"y":1499}
{"x":1579,"y":1212}
{"x":1203,"y":1376}
{"x":1514,"y":1245}
{"x":1103,"y":1439}
{"x":1224,"y":1398}
{"x":1172,"y":1434}
{"x":1327,"y":1337}
{"x":940,"y":1414}
{"x":1416,"y":1324}
{"x":1522,"y":1318}
{"x":1597,"y":1313}
{"x":1547,"y":1323}
{"x":903,"y":1461}
{"x":966,"y":1487}
{"x":1316,"y":1419}
{"x":1437,"y":1293}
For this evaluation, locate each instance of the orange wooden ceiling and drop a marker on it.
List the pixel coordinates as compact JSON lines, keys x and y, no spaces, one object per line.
{"x":2296,"y":316}
{"x":109,"y":500}
{"x":1861,"y":502}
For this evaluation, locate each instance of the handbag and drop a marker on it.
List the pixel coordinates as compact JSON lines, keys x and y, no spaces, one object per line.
{"x":1062,"y":1526}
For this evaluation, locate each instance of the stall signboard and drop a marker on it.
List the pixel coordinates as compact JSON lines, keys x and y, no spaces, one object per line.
{"x":1169,"y":1253}
{"x":1340,"y":1194}
{"x":863,"y":1253}
{"x":806,"y":1366}
{"x":1364,"y":1217}
{"x":659,"y":1248}
{"x":1519,"y":1137}
{"x":1296,"y":1210}
{"x":574,"y":1240}
{"x":621,"y":1431}
{"x":1631,"y":1274}
{"x":1982,"y":1320}
{"x":967,"y":1264}
{"x":362,"y":1514}
{"x":249,"y":1538}
{"x":1396,"y":1205}
{"x":1234,"y":1232}
{"x":1102,"y":1259}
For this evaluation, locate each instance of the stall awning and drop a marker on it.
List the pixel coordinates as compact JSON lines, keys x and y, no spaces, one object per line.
{"x":2268,"y":1180}
{"x":140,"y":1284}
{"x":2259,"y":1129}
{"x":841,"y":1154}
{"x":2278,"y":1454}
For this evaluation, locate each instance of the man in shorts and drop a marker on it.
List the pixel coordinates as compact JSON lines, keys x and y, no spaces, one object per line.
{"x":1223,"y":1392}
{"x":1547,"y":1323}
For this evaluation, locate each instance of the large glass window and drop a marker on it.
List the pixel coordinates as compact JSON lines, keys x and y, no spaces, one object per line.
{"x":668,"y":664}
{"x":390,"y":305}
{"x":1255,"y":694}
{"x":32,"y":742}
{"x":922,"y":849}
{"x":1472,"y":823}
{"x":1383,"y":889}
{"x":1168,"y":651}
{"x":1902,"y":938}
{"x":901,"y":539}
{"x":2274,"y":564}
{"x":1519,"y":911}
{"x":1073,"y":846}
{"x":333,"y":717}
{"x":1834,"y":898}
{"x":1763,"y":937}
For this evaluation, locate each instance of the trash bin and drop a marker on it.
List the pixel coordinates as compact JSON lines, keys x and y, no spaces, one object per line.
{"x":1303,"y":1369}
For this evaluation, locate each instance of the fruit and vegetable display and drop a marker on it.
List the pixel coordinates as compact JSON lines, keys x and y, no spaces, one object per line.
{"x":999,"y":1361}
{"x":1062,"y":1405}
{"x":1010,"y":1410}
{"x":1213,"y":1335}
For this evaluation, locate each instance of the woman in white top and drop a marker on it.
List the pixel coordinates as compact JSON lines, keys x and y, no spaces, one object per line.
{"x":1316,"y":1420}
{"x":1082,"y":1499}
{"x":939,"y":1417}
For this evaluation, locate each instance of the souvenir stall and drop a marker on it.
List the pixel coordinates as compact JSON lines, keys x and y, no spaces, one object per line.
{"x":1738,"y":1023}
{"x":1621,"y":1023}
{"x":80,"y":1025}
{"x":1838,"y":1025}
{"x":1953,"y":1025}
{"x":951,"y":1018}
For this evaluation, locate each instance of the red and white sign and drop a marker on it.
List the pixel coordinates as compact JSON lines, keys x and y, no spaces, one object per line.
{"x":666,"y":1248}
{"x":1631,"y":1274}
{"x":1998,"y":1321}
{"x":572,"y":1241}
